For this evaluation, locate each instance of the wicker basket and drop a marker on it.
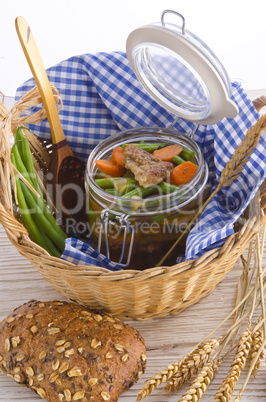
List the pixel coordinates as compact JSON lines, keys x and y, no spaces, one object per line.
{"x":132,"y":294}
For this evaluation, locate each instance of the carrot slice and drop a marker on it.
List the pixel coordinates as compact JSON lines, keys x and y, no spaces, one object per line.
{"x":183,"y":173}
{"x":109,"y":167}
{"x":117,"y":156}
{"x":168,"y":153}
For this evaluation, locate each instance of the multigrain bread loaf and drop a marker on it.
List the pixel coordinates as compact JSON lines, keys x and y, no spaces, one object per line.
{"x":66,"y":352}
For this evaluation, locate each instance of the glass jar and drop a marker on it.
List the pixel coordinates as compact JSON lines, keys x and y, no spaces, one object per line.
{"x":137,"y":233}
{"x":181,"y":73}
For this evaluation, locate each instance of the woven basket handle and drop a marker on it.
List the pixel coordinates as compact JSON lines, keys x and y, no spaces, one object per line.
{"x":260,"y":102}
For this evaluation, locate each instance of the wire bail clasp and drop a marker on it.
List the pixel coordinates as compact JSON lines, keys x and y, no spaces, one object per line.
{"x":128,"y":229}
{"x":176,"y":13}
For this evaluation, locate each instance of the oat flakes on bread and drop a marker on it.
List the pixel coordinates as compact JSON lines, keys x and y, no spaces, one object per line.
{"x":65,"y":352}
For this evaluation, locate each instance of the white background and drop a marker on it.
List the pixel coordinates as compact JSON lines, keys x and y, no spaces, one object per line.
{"x":234,"y":29}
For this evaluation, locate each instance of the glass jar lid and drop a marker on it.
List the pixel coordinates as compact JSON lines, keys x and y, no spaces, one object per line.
{"x":180,"y":72}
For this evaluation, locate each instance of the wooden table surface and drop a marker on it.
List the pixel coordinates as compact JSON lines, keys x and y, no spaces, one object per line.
{"x":167,"y":339}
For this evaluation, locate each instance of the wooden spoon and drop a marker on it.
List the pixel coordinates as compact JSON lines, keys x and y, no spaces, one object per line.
{"x":67,"y":170}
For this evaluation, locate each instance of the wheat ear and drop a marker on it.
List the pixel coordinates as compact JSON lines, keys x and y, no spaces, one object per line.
{"x":254,"y":359}
{"x":200,"y":385}
{"x":257,"y":340}
{"x":226,"y":389}
{"x":231,"y":171}
{"x":196,"y":358}
{"x":155,"y":381}
{"x":235,"y":166}
{"x":192,"y":364}
{"x":259,"y":334}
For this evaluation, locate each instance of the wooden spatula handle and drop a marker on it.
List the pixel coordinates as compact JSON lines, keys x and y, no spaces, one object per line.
{"x":39,"y":73}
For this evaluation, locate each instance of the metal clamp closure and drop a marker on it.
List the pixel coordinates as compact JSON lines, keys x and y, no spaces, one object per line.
{"x":176,"y":13}
{"x":127,"y":227}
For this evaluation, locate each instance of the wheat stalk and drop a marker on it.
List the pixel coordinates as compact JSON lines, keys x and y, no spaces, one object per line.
{"x":257,"y":340}
{"x":200,"y":385}
{"x":254,"y":360}
{"x":259,"y":335}
{"x":167,"y":373}
{"x":226,"y":389}
{"x":242,"y":289}
{"x":231,"y":171}
{"x":235,"y":166}
{"x":260,"y":274}
{"x":188,"y":365}
{"x":246,"y":277}
{"x":192,"y":364}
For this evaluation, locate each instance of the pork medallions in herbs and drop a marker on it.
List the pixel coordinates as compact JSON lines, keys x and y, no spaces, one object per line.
{"x":147,"y":169}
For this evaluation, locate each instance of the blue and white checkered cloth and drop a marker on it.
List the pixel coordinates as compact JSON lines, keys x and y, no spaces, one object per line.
{"x":80,"y":253}
{"x":101,"y":96}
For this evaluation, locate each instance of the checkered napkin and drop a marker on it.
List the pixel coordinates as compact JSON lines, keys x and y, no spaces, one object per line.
{"x":80,"y":253}
{"x":101,"y":96}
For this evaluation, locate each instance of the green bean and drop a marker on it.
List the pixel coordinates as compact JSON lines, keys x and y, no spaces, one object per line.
{"x":122,"y":185}
{"x":39,"y":200}
{"x":50,"y":245}
{"x":112,"y":191}
{"x":19,"y":164}
{"x":42,"y":214}
{"x":25,"y":214}
{"x":27,"y":159}
{"x":19,"y":137}
{"x":131,"y":184}
{"x":141,"y":191}
{"x":107,"y":182}
{"x":187,"y":154}
{"x":167,"y":187}
{"x":41,"y":218}
{"x":178,"y":160}
{"x":149,"y":147}
{"x":122,"y":189}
